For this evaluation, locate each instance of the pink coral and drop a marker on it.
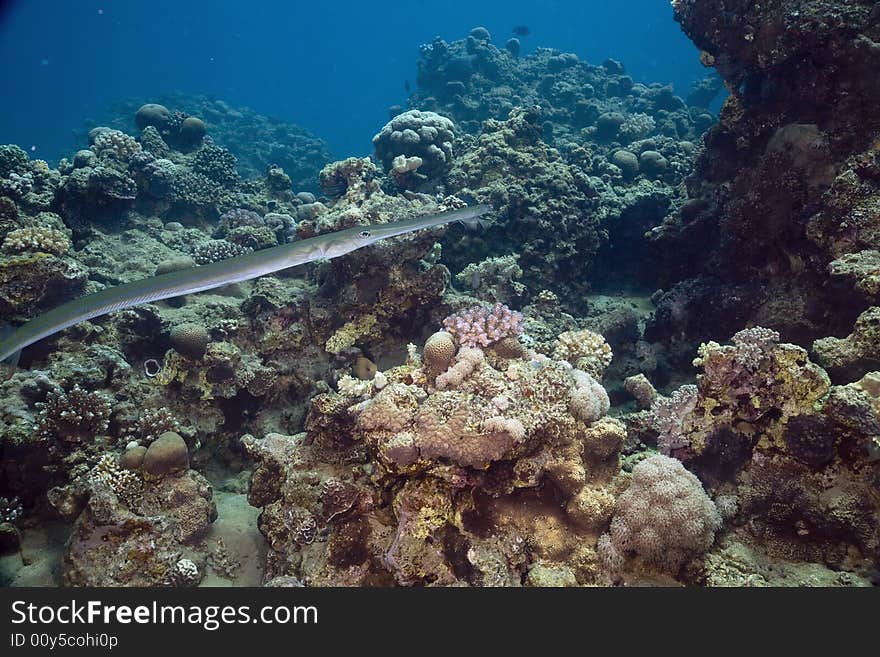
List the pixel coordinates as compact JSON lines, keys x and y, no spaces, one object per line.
{"x":479,"y":326}
{"x":466,"y":361}
{"x":664,"y":516}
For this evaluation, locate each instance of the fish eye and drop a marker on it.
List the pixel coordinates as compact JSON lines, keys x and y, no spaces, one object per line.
{"x":365,"y":233}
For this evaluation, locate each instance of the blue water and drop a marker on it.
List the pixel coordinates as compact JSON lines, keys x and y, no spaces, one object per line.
{"x":333,"y":68}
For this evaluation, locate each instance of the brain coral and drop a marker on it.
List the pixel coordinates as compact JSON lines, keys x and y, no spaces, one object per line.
{"x":190,"y":339}
{"x":664,"y":517}
{"x":439,"y":350}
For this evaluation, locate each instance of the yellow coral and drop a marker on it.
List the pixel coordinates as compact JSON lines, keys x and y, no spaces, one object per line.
{"x":591,"y":507}
{"x":604,"y":438}
{"x":350,"y":332}
{"x":584,"y":350}
{"x":36,"y":238}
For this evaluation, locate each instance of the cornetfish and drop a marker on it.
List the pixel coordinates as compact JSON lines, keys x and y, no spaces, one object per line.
{"x":217,"y":274}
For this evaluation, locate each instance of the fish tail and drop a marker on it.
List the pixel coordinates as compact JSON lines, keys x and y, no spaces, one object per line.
{"x":6,"y":330}
{"x":478,"y":221}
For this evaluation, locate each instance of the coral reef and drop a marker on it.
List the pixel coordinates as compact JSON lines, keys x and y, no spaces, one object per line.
{"x":787,"y":180}
{"x":477,"y":475}
{"x":578,"y":159}
{"x":519,"y":444}
{"x":765,"y":427}
{"x":258,"y":142}
{"x":471,"y":80}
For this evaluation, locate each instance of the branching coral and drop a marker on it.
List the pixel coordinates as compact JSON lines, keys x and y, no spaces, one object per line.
{"x":480,"y":326}
{"x":126,"y":484}
{"x":217,"y":164}
{"x":153,"y":422}
{"x":74,"y":415}
{"x":184,"y":573}
{"x":12,"y":160}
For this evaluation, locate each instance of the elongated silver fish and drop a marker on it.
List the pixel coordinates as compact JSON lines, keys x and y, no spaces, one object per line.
{"x":217,"y":274}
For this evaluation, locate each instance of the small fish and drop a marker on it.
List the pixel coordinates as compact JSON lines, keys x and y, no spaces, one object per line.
{"x":522,"y":30}
{"x":406,"y":86}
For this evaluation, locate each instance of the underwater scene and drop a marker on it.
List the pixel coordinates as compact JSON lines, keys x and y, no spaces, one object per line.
{"x":443,"y":294}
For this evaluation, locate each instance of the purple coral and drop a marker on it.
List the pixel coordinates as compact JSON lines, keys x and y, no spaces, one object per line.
{"x":753,"y":345}
{"x":479,"y":326}
{"x":668,"y":415}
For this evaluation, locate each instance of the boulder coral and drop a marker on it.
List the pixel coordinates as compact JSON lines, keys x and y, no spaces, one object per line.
{"x":664,"y":517}
{"x":135,"y":530}
{"x":423,"y":139}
